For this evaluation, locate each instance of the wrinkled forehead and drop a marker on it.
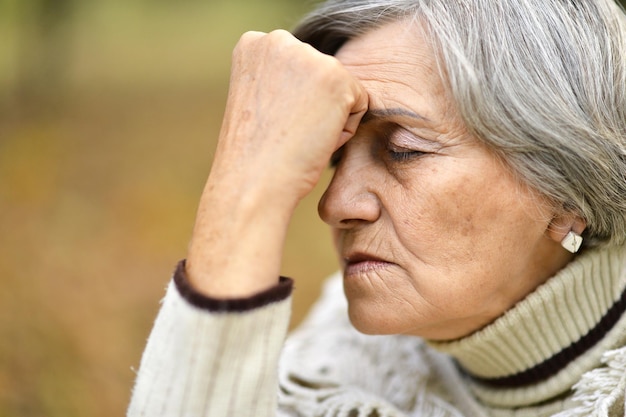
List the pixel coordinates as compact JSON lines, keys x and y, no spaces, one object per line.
{"x":399,"y":42}
{"x":396,"y":64}
{"x":399,"y":61}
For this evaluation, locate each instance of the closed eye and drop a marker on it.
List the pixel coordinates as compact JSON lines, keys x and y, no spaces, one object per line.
{"x":402,"y":155}
{"x":396,"y":145}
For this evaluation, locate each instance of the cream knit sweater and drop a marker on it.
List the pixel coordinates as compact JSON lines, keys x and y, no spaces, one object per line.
{"x":559,"y":352}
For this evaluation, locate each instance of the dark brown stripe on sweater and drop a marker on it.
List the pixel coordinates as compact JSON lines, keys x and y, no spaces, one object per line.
{"x":559,"y":361}
{"x":278,"y":292}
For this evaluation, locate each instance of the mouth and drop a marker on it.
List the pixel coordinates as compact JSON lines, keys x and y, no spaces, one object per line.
{"x":358,"y":263}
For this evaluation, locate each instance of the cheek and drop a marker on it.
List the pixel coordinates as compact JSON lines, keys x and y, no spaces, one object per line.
{"x":440,"y":212}
{"x":465,"y":208}
{"x":453,"y":228}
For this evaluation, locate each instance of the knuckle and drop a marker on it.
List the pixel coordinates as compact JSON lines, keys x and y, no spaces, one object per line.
{"x":247,"y":39}
{"x":279,"y":34}
{"x":250,"y":36}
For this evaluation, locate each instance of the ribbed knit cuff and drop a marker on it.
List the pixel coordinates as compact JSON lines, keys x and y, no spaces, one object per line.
{"x":281,"y":291}
{"x":199,"y":363}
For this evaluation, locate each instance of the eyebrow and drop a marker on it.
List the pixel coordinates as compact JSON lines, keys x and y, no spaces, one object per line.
{"x":373,"y":114}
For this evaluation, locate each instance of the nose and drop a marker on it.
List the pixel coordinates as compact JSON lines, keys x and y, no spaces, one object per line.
{"x":351,"y":197}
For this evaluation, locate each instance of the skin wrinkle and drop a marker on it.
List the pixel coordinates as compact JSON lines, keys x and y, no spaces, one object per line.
{"x":401,"y":301}
{"x":395,"y":297}
{"x":377,"y":238}
{"x":374,"y":114}
{"x":438,"y":218}
{"x":384,"y":77}
{"x":414,"y":283}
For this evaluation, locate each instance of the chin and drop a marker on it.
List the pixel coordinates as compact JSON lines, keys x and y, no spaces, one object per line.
{"x":371,"y":323}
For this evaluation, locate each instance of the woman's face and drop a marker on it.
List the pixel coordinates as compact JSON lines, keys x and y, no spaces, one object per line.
{"x":436,"y":236}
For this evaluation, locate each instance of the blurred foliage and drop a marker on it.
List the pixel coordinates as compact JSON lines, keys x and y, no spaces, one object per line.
{"x":108,"y":114}
{"x":48,"y":46}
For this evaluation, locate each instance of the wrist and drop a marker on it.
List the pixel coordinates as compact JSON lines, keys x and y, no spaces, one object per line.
{"x":237,"y":243}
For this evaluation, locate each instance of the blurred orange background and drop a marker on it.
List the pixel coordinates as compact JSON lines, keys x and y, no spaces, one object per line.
{"x":109,"y":110}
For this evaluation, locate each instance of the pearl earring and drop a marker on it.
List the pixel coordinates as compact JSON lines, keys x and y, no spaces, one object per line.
{"x":572,"y":241}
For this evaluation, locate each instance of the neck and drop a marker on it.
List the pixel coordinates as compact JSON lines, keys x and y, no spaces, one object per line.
{"x":542,"y":346}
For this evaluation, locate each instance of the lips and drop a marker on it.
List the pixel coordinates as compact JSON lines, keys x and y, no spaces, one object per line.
{"x":358,"y":263}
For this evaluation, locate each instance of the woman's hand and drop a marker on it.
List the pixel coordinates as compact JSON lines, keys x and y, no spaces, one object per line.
{"x":289,"y":108}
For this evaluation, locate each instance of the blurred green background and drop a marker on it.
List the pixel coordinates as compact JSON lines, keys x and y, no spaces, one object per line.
{"x":109,"y":110}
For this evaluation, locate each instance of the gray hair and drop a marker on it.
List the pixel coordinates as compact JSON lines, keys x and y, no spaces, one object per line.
{"x":543,"y":83}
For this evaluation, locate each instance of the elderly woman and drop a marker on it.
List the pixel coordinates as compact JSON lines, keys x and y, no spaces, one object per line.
{"x":478,"y":208}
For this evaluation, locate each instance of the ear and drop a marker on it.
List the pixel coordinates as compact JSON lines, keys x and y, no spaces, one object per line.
{"x":562,"y":224}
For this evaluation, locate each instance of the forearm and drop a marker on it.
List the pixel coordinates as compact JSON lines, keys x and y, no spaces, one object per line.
{"x":289,"y":108}
{"x":238,"y":239}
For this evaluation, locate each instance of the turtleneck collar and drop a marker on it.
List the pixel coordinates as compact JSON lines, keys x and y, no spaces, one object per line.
{"x":541,"y":347}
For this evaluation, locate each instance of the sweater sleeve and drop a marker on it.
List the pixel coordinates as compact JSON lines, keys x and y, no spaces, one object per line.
{"x":208,"y":357}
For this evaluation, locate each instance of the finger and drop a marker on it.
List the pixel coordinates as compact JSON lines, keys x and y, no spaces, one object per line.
{"x":359,"y":108}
